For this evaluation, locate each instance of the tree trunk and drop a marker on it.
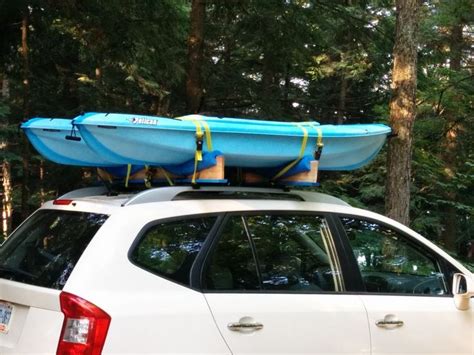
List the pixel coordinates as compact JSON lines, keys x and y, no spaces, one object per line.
{"x":161,"y":105}
{"x":26,"y":113}
{"x":402,"y":111}
{"x":456,"y":44}
{"x":194,"y":90}
{"x":450,"y":146}
{"x":287,"y":103}
{"x":7,"y":208}
{"x":5,"y":174}
{"x":41,"y":182}
{"x":341,"y":114}
{"x":271,"y":105}
{"x":5,"y":88}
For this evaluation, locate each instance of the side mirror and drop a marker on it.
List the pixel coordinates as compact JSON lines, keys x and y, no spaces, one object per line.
{"x":463,"y":290}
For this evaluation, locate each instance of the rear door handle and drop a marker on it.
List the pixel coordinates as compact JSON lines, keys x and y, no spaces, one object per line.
{"x":389,"y":321}
{"x":245,"y":324}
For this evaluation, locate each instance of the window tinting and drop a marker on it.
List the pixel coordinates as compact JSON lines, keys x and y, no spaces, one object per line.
{"x":45,"y":249}
{"x":232,"y":265}
{"x":169,"y":249}
{"x":291,"y":253}
{"x":389,"y":263}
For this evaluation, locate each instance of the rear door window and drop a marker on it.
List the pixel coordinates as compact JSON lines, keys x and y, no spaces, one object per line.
{"x":169,"y":249}
{"x":274,"y":252}
{"x":46,"y":248}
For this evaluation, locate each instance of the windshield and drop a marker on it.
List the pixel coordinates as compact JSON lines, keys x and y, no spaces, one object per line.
{"x":45,"y":249}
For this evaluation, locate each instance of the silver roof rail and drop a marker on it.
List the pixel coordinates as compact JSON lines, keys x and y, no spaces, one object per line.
{"x":157,"y":194}
{"x":85,"y":192}
{"x":169,"y":193}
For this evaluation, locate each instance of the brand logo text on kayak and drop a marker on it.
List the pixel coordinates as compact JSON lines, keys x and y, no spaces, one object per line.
{"x":139,"y":120}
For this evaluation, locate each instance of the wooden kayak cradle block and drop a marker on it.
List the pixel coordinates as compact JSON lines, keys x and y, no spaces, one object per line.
{"x":215,"y":172}
{"x":310,"y":176}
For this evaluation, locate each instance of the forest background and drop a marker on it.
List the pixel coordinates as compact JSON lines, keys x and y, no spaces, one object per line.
{"x":290,"y":60}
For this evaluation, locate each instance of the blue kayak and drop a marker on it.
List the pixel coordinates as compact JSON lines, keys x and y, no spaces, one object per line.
{"x":150,"y":140}
{"x":243,"y":121}
{"x":48,"y":136}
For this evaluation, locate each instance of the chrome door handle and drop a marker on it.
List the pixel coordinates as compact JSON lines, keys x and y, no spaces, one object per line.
{"x":237,"y":327}
{"x":385,"y":323}
{"x":389,"y":321}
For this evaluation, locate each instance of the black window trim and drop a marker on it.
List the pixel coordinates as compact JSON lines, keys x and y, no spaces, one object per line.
{"x":205,"y":257}
{"x":443,"y":264}
{"x":352,"y":278}
{"x":351,"y":286}
{"x":253,"y":247}
{"x":142,"y":233}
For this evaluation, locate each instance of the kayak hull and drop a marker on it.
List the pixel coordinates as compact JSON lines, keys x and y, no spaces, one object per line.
{"x":162,"y":141}
{"x":48,"y":137}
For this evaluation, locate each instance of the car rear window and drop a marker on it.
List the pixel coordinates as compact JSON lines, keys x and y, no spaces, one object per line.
{"x":46,"y":248}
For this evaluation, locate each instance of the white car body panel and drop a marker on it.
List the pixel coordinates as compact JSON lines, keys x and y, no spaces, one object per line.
{"x":36,"y":320}
{"x":293,"y":324}
{"x":153,"y":315}
{"x":159,"y":316}
{"x":432,"y":325}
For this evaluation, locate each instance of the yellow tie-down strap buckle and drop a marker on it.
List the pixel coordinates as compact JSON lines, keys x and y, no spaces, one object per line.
{"x":199,"y":144}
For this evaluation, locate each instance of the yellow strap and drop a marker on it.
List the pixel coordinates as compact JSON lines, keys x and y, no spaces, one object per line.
{"x":319,"y":142}
{"x":198,"y":153}
{"x":208,"y":135}
{"x":196,"y":119}
{"x":320,"y":137}
{"x":167,"y":177}
{"x":129,"y":171}
{"x":302,"y":151}
{"x":193,"y":180}
{"x":308,"y":123}
{"x":199,"y":135}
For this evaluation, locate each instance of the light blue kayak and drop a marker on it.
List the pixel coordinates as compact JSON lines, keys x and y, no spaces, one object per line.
{"x":48,"y":136}
{"x":243,"y":121}
{"x":149,"y":140}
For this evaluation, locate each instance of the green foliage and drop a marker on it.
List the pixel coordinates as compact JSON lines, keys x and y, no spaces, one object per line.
{"x":287,"y":60}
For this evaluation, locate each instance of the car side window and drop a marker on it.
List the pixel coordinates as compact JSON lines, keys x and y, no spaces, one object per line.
{"x":389,"y":263}
{"x":291,"y":253}
{"x":170,"y":248}
{"x":233,"y":265}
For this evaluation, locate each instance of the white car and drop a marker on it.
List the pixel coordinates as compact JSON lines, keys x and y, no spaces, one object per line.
{"x":225,"y":270}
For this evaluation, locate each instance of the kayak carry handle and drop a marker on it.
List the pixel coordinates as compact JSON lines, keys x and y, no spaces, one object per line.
{"x":73,"y":138}
{"x":73,"y":135}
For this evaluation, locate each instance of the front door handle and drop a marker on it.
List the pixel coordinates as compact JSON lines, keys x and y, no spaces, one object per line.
{"x":389,"y":321}
{"x":245,"y":324}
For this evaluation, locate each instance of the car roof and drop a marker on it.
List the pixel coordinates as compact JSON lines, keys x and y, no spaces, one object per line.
{"x":101,"y":196}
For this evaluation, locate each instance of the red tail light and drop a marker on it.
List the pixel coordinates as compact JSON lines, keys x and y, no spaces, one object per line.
{"x":85,"y":327}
